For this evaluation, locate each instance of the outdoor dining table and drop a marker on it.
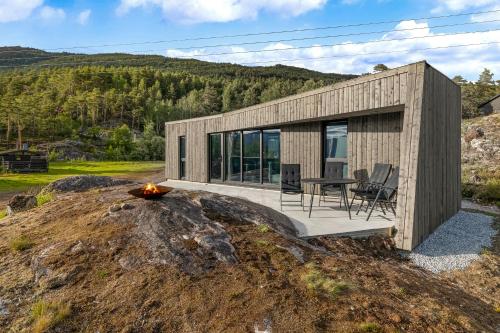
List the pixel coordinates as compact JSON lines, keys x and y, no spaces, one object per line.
{"x":327,"y":181}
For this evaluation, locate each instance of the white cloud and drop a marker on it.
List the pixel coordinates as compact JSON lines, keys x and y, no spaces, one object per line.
{"x":461,"y":5}
{"x":16,"y":10}
{"x":83,"y":17}
{"x":350,"y":2}
{"x":51,"y":14}
{"x":199,"y":11}
{"x":360,"y":58}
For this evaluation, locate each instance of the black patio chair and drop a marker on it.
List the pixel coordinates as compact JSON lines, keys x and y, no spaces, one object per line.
{"x":385,"y":195}
{"x":290,"y":183}
{"x":333,"y":170}
{"x":378,"y":177}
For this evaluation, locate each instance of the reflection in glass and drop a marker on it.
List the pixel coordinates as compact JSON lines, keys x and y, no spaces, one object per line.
{"x":335,"y":145}
{"x":271,"y":156}
{"x":251,"y":156}
{"x":216,"y":156}
{"x":233,"y":156}
{"x":182,"y":157}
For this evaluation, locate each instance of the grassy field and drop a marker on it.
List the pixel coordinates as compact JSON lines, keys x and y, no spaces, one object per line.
{"x":18,"y":182}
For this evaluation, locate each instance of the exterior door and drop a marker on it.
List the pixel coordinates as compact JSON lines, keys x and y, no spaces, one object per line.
{"x":182,"y":157}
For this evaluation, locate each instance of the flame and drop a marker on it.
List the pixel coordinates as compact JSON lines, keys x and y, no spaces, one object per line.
{"x":151,"y":189}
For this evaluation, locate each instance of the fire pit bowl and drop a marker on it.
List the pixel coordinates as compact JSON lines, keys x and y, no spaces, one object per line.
{"x":150,"y":191}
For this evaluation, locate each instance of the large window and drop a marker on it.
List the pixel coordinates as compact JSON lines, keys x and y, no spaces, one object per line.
{"x":335,"y":143}
{"x":216,"y":156}
{"x":232,"y":153}
{"x":245,"y":156}
{"x":251,"y":156}
{"x":271,"y":156}
{"x":182,"y":157}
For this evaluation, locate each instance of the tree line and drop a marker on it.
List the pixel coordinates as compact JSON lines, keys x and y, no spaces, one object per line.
{"x":54,"y":103}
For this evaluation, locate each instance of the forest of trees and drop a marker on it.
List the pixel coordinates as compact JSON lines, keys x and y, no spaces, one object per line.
{"x":55,"y":103}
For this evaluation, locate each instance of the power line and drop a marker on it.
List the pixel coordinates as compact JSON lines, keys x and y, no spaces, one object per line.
{"x":369,"y":53}
{"x":261,"y":62}
{"x":294,"y":39}
{"x":279,"y":49}
{"x":268,"y":32}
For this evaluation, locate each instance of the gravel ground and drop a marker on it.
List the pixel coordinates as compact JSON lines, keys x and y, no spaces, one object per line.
{"x":456,"y":243}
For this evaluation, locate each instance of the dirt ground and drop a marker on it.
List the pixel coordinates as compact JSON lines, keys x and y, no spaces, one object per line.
{"x":268,"y":287}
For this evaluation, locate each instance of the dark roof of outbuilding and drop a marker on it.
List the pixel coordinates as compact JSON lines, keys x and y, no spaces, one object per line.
{"x":491,"y":99}
{"x":19,"y":151}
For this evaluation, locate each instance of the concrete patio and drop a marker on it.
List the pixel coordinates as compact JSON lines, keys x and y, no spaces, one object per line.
{"x":328,"y":219}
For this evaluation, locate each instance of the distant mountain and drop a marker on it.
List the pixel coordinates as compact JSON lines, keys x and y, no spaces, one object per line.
{"x":19,"y":56}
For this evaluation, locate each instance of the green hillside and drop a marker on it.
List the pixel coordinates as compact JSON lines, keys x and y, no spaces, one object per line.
{"x":16,"y":56}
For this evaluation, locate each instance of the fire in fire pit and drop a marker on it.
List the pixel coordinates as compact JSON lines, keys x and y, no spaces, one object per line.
{"x":150,"y":191}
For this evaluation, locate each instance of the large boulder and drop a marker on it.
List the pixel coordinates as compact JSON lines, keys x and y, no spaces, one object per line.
{"x":21,"y":203}
{"x":82,"y":183}
{"x":190,"y":229}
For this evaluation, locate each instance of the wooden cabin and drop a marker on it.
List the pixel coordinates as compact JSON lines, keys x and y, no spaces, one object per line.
{"x":23,"y":161}
{"x":408,"y":117}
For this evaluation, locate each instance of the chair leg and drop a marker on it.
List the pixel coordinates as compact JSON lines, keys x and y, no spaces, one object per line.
{"x":360,"y":205}
{"x":352,"y":201}
{"x":367,"y":206}
{"x":392,"y":207}
{"x":281,"y":201}
{"x":373,"y":206}
{"x":382,"y":207}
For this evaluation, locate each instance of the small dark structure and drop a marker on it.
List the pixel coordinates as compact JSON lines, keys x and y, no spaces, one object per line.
{"x":24,"y":161}
{"x":490,"y":106}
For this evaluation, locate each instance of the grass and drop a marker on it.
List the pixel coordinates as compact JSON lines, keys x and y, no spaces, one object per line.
{"x":47,"y":315}
{"x":370,"y":328}
{"x":19,"y":182}
{"x":318,"y":282}
{"x":3,"y":213}
{"x":21,"y":243}
{"x":102,"y":274}
{"x":261,"y":242}
{"x":43,"y":198}
{"x":263,"y":228}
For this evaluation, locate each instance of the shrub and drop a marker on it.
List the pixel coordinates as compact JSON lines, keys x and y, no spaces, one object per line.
{"x":318,"y":282}
{"x":370,"y":328}
{"x":43,"y":198}
{"x":47,"y":315}
{"x":53,"y":156}
{"x":21,"y":243}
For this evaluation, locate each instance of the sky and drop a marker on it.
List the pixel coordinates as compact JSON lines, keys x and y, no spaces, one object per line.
{"x":344,"y":43}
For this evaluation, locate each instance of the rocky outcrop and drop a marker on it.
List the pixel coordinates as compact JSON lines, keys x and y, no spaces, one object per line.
{"x":189,"y":229}
{"x":82,"y":183}
{"x":20,"y":203}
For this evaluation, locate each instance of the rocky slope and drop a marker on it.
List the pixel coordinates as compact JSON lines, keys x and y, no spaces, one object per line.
{"x":481,"y":158}
{"x":103,"y":261}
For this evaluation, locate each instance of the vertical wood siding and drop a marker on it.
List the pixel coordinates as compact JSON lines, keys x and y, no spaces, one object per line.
{"x":366,"y":135}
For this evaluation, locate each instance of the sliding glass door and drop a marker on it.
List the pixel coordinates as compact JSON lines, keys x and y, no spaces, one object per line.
{"x":271,"y":156}
{"x":232,"y":151}
{"x":216,"y":157}
{"x":251,"y":156}
{"x":335,"y":143}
